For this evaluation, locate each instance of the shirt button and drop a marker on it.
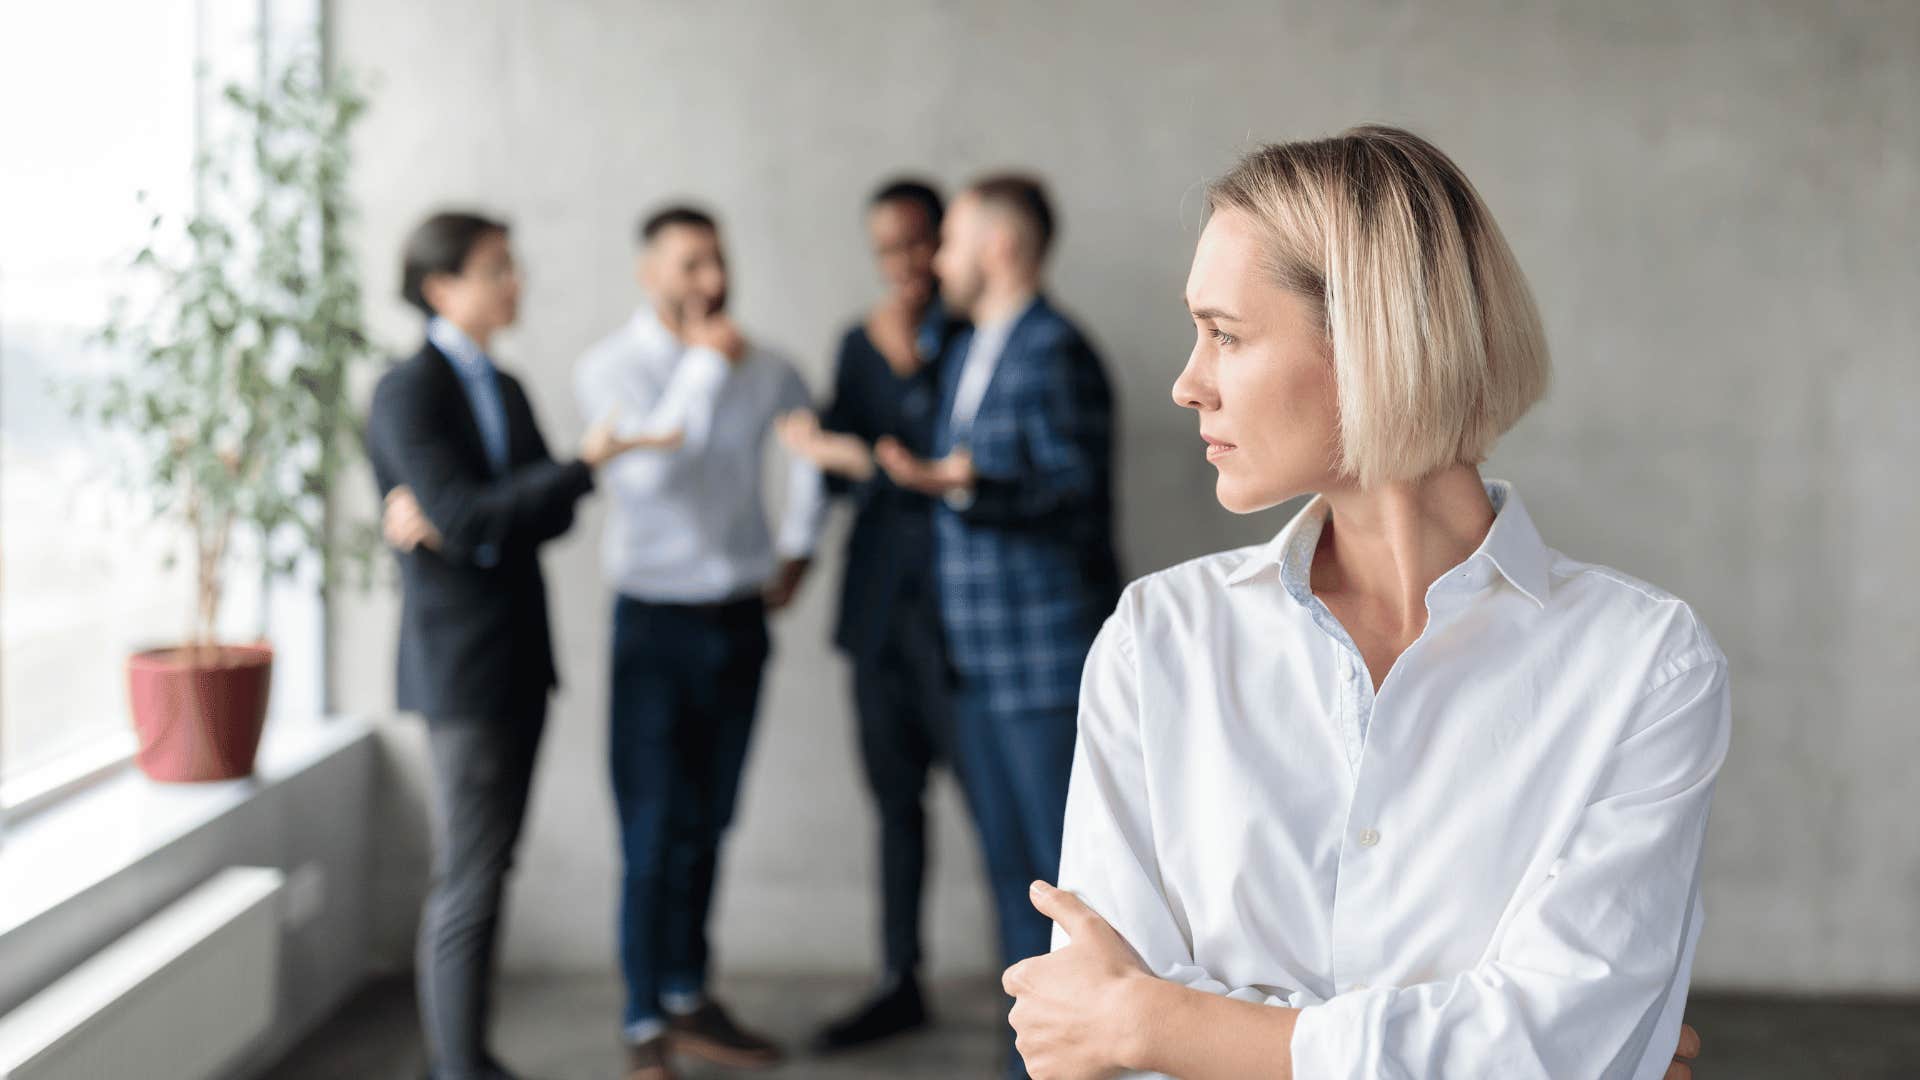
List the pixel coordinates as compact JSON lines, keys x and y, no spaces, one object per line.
{"x":1369,"y":837}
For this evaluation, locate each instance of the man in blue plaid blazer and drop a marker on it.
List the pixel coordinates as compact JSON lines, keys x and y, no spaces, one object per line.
{"x":1023,"y":534}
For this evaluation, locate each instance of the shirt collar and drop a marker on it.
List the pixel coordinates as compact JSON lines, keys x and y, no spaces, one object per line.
{"x":467,"y":356}
{"x":1512,"y":547}
{"x":650,"y":330}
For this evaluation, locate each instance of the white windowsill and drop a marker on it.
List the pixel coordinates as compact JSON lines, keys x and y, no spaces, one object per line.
{"x":88,"y":836}
{"x":37,"y":789}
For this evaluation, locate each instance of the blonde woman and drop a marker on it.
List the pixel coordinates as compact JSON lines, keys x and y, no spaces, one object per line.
{"x":1405,"y":792}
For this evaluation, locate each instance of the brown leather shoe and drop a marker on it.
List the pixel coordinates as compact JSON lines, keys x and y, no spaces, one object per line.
{"x":709,"y":1033}
{"x":649,"y":1061}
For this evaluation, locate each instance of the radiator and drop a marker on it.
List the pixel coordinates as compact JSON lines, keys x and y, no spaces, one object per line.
{"x":181,"y":997}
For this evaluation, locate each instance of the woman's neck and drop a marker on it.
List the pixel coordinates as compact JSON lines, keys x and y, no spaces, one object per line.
{"x":1382,"y":547}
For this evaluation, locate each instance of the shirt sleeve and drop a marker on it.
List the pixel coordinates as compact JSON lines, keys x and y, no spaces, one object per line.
{"x":1579,"y":984}
{"x":1107,"y":855}
{"x":805,"y":511}
{"x":686,"y":404}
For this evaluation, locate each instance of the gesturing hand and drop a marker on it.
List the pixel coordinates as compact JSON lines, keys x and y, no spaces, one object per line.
{"x":700,"y":326}
{"x":1069,"y":1013}
{"x":832,"y":451}
{"x":404,"y":525}
{"x":780,"y":591}
{"x":602,"y":442}
{"x":937,"y":477}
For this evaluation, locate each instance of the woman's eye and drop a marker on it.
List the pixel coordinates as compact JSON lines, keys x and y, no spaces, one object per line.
{"x":1221,"y":336}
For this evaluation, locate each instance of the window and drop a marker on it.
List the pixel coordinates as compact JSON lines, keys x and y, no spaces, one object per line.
{"x":90,"y":118}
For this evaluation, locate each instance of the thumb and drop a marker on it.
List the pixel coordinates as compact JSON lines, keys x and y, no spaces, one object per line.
{"x":1073,"y":915}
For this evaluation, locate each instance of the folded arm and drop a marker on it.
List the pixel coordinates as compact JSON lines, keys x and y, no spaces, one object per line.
{"x":1577,"y":986}
{"x":477,"y":515}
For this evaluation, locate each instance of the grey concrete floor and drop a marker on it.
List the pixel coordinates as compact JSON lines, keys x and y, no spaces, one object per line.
{"x":562,"y":1028}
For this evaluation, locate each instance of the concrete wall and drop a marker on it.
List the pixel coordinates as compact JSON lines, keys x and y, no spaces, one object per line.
{"x":1715,"y":202}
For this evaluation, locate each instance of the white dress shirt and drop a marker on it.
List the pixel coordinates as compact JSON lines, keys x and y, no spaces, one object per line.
{"x":1489,"y":868}
{"x":689,"y":525}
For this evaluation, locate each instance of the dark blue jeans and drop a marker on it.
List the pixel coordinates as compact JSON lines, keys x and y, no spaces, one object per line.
{"x":1014,"y":768}
{"x":686,"y":681}
{"x":902,"y":690}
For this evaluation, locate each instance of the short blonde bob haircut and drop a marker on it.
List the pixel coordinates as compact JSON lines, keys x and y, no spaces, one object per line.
{"x":1437,"y":346}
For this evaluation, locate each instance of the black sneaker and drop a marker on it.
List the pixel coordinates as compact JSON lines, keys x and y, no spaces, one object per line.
{"x":895,"y":1009}
{"x":709,"y":1033}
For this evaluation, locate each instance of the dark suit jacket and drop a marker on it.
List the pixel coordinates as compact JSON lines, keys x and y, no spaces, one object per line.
{"x":891,"y":545}
{"x":474,"y":640}
{"x":1027,"y":570}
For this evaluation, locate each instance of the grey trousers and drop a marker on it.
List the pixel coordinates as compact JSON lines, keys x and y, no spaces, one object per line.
{"x":482,"y":771}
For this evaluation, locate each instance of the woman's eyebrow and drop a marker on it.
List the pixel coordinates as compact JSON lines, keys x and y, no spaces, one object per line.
{"x":1214,"y":314}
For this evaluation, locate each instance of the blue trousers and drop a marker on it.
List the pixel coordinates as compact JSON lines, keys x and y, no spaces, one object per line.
{"x":1014,"y":768}
{"x":686,"y":682}
{"x":902,"y":692}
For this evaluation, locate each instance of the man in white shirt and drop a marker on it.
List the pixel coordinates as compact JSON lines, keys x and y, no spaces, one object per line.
{"x":693,"y":566}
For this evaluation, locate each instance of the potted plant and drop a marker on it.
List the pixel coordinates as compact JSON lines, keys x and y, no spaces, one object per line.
{"x":241,"y":327}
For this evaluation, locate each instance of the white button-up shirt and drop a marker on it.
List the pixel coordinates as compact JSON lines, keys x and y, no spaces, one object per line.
{"x":1488,"y":868}
{"x":689,"y":525}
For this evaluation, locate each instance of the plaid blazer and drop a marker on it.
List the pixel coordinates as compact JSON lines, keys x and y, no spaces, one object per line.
{"x":1027,"y":570}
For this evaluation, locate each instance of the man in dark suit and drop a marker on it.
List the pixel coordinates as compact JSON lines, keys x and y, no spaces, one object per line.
{"x":889,"y":623}
{"x":1023,"y":534}
{"x":471,"y":493}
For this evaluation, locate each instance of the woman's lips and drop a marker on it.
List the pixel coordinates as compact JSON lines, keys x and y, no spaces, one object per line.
{"x":1216,"y":448}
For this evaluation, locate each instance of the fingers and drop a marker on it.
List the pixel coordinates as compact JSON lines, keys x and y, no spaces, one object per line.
{"x":893,"y":457}
{"x":1678,"y":1071}
{"x":956,"y":469}
{"x":404,"y":525}
{"x":1014,"y":979}
{"x":798,"y":430}
{"x":669,"y":441}
{"x":1689,"y":1047}
{"x":1063,"y":907}
{"x":408,"y":534}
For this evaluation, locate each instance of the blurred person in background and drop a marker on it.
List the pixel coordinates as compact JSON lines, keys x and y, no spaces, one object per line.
{"x":471,"y":493}
{"x":885,"y":386}
{"x":1022,"y":466}
{"x":694,"y":569}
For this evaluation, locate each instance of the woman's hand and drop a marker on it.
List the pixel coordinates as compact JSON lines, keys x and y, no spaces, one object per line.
{"x":1073,"y":1013}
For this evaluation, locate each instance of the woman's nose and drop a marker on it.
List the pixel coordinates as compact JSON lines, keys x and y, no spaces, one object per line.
{"x":1191,"y":389}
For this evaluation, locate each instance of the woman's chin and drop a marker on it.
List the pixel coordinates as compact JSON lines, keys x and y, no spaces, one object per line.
{"x":1239,"y":497}
{"x":1235,"y":498}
